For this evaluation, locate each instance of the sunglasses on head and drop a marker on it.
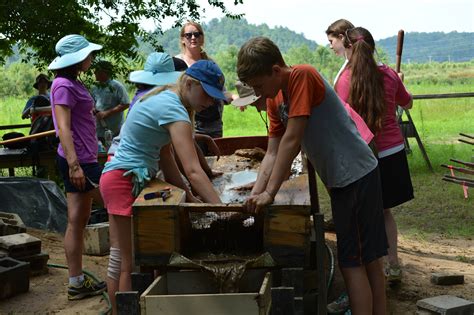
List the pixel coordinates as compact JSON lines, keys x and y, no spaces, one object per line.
{"x":191,"y":34}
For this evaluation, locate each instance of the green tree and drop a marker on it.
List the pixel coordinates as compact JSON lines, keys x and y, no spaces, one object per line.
{"x":35,"y":25}
{"x":227,"y":61}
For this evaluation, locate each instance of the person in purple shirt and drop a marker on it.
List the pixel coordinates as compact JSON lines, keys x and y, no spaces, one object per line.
{"x":74,"y":123}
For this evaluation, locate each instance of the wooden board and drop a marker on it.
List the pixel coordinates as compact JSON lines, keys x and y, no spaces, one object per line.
{"x":157,"y":225}
{"x":156,"y":300}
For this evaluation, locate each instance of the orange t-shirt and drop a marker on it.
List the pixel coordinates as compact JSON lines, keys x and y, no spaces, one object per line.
{"x":305,"y":90}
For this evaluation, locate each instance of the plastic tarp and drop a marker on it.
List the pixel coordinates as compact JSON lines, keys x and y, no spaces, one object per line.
{"x":39,"y":202}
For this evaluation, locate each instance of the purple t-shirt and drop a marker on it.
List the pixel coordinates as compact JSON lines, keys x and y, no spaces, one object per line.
{"x":74,"y":95}
{"x":138,"y":94}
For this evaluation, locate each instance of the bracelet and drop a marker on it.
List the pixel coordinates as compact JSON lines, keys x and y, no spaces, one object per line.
{"x":75,"y":166}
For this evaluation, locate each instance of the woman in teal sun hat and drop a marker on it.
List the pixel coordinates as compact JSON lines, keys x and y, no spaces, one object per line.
{"x":74,"y":122}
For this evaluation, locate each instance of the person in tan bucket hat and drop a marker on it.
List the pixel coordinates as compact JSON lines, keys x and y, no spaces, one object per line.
{"x":246,"y":95}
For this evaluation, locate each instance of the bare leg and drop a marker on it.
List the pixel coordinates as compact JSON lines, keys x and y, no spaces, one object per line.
{"x":124,"y":229}
{"x":377,"y":285}
{"x":392,"y":236}
{"x":79,"y":210}
{"x":358,"y":288}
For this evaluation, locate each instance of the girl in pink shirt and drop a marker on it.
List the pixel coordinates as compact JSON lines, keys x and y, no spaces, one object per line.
{"x":374,"y":90}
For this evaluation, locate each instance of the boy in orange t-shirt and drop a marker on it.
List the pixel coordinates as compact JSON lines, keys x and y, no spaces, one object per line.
{"x":305,"y":113}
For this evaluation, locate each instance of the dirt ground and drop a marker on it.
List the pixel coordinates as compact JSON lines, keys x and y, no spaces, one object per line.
{"x":419,"y":257}
{"x":47,"y":294}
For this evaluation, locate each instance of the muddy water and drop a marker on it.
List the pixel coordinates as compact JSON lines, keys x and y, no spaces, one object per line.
{"x":227,"y":183}
{"x":226,"y":269}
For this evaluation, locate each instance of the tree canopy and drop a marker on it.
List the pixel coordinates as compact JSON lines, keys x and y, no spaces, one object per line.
{"x":36,"y":25}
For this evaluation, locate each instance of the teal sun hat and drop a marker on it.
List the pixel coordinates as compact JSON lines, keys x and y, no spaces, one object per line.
{"x":159,"y":70}
{"x":211,"y":77}
{"x":72,"y":49}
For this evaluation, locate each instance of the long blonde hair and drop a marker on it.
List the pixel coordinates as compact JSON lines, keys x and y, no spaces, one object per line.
{"x":199,"y":28}
{"x":179,"y":87}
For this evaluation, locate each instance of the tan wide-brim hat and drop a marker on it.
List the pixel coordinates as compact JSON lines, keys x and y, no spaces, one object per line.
{"x":246,"y":95}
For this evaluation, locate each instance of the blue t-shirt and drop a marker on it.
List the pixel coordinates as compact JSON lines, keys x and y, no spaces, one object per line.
{"x":108,"y":95}
{"x":143,"y":134}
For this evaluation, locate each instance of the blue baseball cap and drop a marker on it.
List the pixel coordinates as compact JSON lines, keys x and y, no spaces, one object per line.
{"x":211,"y":77}
{"x":159,"y":70}
{"x":72,"y":49}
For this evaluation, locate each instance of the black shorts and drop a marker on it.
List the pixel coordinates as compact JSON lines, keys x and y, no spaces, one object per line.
{"x":92,"y":171}
{"x":358,"y":217}
{"x":396,"y":182}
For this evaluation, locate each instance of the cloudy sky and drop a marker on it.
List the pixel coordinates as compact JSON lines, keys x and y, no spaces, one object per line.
{"x":383,"y":18}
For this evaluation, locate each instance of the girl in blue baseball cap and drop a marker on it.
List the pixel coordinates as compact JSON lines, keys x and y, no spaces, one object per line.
{"x":160,"y":118}
{"x":74,"y":122}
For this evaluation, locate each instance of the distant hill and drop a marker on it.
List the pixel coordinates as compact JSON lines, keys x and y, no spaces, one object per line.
{"x":221,"y":33}
{"x":436,"y":46}
{"x":418,"y":47}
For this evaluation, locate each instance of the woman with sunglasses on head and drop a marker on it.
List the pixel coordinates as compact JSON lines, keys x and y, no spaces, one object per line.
{"x":72,"y":107}
{"x":374,"y":90}
{"x":208,"y":122}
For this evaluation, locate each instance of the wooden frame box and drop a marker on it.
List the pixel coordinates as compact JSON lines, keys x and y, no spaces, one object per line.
{"x":193,"y":292}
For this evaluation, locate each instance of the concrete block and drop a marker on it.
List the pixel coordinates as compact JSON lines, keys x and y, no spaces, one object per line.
{"x":96,"y":239}
{"x":447,"y":305}
{"x":14,"y":277}
{"x":11,"y":223}
{"x":20,"y":245}
{"x":38,"y":263}
{"x":446,"y":279}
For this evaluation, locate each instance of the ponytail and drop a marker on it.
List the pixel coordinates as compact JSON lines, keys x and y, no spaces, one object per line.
{"x":179,"y":88}
{"x":366,"y":95}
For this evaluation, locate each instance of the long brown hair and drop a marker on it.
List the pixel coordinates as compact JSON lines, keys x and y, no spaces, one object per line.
{"x":367,"y":88}
{"x":199,"y":28}
{"x":339,"y":27}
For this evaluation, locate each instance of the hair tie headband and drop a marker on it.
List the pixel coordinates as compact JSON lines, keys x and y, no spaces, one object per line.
{"x":359,"y":38}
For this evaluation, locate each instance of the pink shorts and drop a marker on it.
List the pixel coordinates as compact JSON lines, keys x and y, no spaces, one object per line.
{"x":116,"y":192}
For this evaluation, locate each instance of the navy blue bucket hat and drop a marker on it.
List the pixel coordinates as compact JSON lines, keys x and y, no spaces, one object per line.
{"x":211,"y":77}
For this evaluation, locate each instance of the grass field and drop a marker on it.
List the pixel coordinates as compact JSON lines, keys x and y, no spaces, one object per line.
{"x":438,"y":207}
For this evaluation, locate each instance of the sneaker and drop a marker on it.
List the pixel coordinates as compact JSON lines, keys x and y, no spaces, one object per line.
{"x":393,"y":274}
{"x":87,"y":288}
{"x":340,"y":305}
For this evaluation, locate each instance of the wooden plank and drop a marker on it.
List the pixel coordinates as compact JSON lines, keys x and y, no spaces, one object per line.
{"x":29,"y":137}
{"x":209,"y":304}
{"x":207,"y":207}
{"x":228,"y":145}
{"x":278,"y":238}
{"x":18,"y":126}
{"x":294,"y":192}
{"x":436,"y":96}
{"x":287,"y":221}
{"x":283,"y":301}
{"x":264,"y":300}
{"x":190,"y":282}
{"x":154,"y":230}
{"x":176,"y":197}
{"x":128,"y":303}
{"x":460,"y":169}
{"x":468,"y":164}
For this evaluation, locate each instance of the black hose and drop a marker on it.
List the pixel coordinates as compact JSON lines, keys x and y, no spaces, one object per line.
{"x":331,"y":266}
